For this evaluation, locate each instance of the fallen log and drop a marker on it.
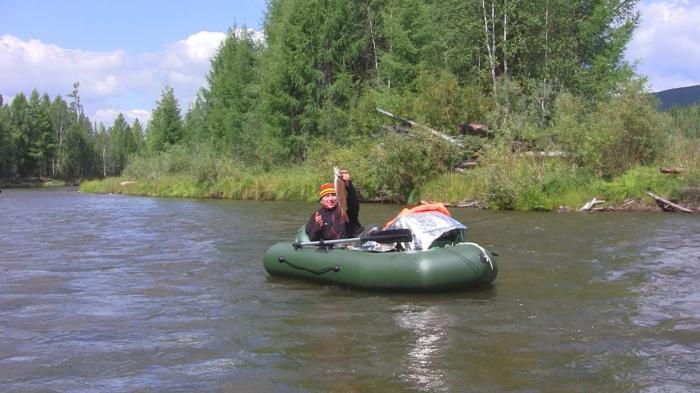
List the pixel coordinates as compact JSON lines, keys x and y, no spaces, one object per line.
{"x":665,"y":169}
{"x":590,"y":205}
{"x":667,"y":205}
{"x":426,"y":128}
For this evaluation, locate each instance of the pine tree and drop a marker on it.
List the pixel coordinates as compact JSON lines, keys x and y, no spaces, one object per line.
{"x":121,"y":142}
{"x":165,"y":127}
{"x":41,"y":144}
{"x":231,"y":94}
{"x":20,"y":135}
{"x":137,"y":135}
{"x":60,"y":120}
{"x":6,"y":158}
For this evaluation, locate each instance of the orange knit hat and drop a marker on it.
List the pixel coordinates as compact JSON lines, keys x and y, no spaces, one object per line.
{"x":326,"y":189}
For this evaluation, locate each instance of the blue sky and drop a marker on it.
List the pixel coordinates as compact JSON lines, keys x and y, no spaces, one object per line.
{"x":124,"y":52}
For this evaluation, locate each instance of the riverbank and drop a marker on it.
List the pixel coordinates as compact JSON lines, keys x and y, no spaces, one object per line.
{"x":551,"y":190}
{"x":31,"y":182}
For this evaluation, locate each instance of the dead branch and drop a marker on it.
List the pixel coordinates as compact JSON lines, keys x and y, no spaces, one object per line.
{"x":667,"y":205}
{"x":421,"y":126}
{"x":590,"y":205}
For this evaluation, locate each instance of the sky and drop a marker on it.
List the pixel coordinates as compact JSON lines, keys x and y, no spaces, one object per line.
{"x":123,"y":53}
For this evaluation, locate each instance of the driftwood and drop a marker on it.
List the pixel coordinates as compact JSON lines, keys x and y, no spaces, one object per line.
{"x":590,"y":205}
{"x":439,"y":134}
{"x":667,"y":205}
{"x":671,"y":170}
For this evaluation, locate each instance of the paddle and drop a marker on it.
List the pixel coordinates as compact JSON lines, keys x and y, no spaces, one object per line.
{"x":387,"y":236}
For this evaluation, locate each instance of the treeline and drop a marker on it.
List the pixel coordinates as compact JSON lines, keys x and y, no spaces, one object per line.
{"x":686,"y":121}
{"x":41,"y":137}
{"x":325,"y":66}
{"x":547,"y":74}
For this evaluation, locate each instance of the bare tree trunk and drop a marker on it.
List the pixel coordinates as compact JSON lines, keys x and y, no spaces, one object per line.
{"x":490,"y":40}
{"x":104,"y":161}
{"x":374,"y":42}
{"x":505,"y":37}
{"x":57,"y":162}
{"x":546,"y":55}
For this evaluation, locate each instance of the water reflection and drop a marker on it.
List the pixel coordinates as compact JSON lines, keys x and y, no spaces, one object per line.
{"x":428,"y":328}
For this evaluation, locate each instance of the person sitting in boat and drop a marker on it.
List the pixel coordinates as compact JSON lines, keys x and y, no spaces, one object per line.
{"x":348,"y":201}
{"x":327,"y":222}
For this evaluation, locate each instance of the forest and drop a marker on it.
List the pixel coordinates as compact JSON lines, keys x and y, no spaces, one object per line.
{"x":566,"y":118}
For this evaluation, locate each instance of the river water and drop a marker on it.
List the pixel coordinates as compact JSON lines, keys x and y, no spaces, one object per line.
{"x":111,"y":293}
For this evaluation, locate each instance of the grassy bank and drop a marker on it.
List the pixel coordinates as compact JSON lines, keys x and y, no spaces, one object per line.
{"x":520,"y":184}
{"x":252,"y":184}
{"x":408,"y":172}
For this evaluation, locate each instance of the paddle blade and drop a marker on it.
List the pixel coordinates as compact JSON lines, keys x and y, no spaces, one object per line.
{"x":389,"y":236}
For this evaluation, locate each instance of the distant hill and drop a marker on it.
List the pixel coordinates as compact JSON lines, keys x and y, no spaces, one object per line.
{"x":680,"y":97}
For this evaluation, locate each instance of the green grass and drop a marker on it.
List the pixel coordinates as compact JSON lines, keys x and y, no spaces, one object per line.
{"x":503,"y":180}
{"x":294,"y":183}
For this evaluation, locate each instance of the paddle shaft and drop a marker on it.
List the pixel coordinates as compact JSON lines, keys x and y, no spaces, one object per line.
{"x":388,"y":236}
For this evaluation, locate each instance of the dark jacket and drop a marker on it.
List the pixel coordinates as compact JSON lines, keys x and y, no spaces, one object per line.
{"x":353,"y":226}
{"x":333,"y":225}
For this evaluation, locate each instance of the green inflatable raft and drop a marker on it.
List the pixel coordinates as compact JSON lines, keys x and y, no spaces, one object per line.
{"x":447,"y":263}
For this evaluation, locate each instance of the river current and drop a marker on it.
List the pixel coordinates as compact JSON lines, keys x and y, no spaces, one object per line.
{"x":112,"y":293}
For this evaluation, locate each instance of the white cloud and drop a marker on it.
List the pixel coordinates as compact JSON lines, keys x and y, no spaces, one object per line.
{"x":667,"y":43}
{"x":201,"y":46}
{"x":25,"y":65}
{"x":107,"y":116}
{"x":111,"y":82}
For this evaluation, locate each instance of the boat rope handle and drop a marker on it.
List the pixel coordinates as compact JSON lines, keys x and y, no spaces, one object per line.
{"x":334,"y":269}
{"x":483,"y":252}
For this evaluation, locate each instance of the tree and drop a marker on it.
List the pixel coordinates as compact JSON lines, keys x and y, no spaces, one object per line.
{"x":315,"y":60}
{"x":232,"y":93}
{"x":6,"y":158}
{"x":165,"y":126}
{"x":122,"y":144}
{"x":102,"y":148}
{"x":60,"y":119}
{"x":137,"y":135}
{"x":77,"y":159}
{"x":20,"y":135}
{"x":41,"y":144}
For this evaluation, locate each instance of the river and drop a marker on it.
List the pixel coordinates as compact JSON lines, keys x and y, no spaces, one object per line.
{"x":112,"y":293}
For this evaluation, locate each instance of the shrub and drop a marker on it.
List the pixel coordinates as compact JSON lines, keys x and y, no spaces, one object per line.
{"x":619,"y":134}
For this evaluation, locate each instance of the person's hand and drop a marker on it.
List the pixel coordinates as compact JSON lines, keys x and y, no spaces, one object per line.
{"x":319,"y":220}
{"x":345,"y":175}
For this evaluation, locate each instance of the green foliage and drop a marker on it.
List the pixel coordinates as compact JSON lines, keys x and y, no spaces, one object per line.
{"x":398,"y":166}
{"x":165,"y":126}
{"x":231,"y":95}
{"x":635,"y":183}
{"x":686,"y":121}
{"x":620,"y":133}
{"x":6,"y":153}
{"x":275,"y":117}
